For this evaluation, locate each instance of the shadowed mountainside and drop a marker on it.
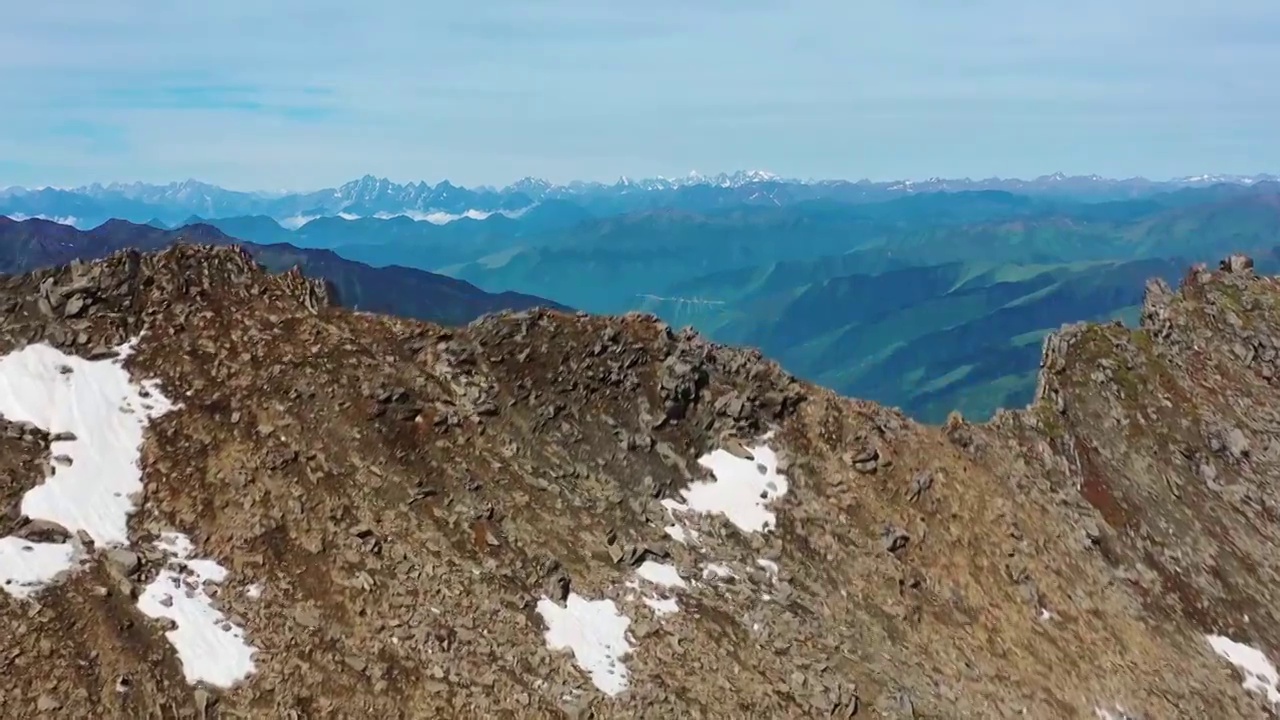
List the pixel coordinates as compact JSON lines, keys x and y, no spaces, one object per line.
{"x":408,"y":292}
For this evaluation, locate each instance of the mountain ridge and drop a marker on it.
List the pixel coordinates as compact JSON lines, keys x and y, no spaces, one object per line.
{"x":754,"y":274}
{"x":374,"y":196}
{"x":30,"y":244}
{"x":413,"y":546}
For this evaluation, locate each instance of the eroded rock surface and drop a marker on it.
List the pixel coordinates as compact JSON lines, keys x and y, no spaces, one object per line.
{"x":395,"y":503}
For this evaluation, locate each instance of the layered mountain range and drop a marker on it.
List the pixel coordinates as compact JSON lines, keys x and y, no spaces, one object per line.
{"x":443,"y":202}
{"x":226,"y":497}
{"x":933,"y":302}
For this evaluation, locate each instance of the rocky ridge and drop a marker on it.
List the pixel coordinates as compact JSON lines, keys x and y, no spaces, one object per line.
{"x":395,"y":505}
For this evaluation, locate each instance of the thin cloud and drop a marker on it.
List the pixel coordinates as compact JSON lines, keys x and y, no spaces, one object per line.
{"x":297,"y":93}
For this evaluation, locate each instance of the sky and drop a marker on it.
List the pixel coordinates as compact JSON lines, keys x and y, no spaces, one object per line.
{"x":294,"y":94}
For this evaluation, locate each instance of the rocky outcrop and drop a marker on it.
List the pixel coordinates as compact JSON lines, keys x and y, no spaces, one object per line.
{"x":405,"y":512}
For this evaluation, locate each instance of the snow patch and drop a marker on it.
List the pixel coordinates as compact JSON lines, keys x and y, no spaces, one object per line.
{"x":211,"y":649}
{"x":660,"y":574}
{"x":596,"y":632}
{"x":27,"y":567}
{"x":741,"y":491}
{"x":662,"y":606}
{"x":96,"y":402}
{"x":681,"y":534}
{"x":96,"y":416}
{"x":176,"y":544}
{"x":717,"y":571}
{"x":664,"y":575}
{"x":1259,"y":674}
{"x":180,"y":547}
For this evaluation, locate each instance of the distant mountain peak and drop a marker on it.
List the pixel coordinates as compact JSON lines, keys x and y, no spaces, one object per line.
{"x":373,"y":196}
{"x":757,"y":175}
{"x":529,"y":185}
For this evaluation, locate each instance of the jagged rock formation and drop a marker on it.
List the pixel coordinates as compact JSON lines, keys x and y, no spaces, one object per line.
{"x":401,"y":510}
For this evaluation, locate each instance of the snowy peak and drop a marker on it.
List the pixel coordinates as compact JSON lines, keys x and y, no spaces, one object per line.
{"x":1211,"y":179}
{"x":370,"y":188}
{"x":372,"y":196}
{"x":530,"y":185}
{"x":746,"y":177}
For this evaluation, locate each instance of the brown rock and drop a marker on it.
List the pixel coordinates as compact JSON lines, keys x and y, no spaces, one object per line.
{"x":400,"y":490}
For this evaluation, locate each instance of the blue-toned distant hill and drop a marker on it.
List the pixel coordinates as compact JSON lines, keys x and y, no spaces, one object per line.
{"x":408,"y":292}
{"x":931,"y":301}
{"x":612,"y":260}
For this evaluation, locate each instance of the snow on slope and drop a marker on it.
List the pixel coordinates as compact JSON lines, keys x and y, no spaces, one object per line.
{"x":96,"y":417}
{"x":1260,"y":674}
{"x":26,"y":567}
{"x":741,"y":491}
{"x":211,"y":649}
{"x":595,"y":631}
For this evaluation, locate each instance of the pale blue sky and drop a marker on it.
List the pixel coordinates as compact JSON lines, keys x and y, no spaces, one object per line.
{"x":306,"y":94}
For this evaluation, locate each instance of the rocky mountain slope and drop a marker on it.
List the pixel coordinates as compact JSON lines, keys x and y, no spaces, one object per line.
{"x":227,"y":498}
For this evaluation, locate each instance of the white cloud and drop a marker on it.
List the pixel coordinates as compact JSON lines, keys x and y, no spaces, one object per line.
{"x":437,"y":217}
{"x":60,"y":219}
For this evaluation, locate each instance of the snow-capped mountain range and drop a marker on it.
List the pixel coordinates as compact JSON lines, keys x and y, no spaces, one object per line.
{"x":444,"y":202}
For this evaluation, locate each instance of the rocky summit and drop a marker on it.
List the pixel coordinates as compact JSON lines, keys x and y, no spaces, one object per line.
{"x":226,"y":498}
